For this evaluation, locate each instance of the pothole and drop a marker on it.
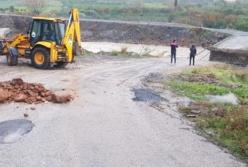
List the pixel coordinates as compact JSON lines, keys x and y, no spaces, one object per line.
{"x":146,"y":95}
{"x":13,"y":130}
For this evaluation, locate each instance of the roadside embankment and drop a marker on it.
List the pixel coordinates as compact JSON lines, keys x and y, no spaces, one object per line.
{"x":218,"y":103}
{"x":233,"y":50}
{"x":129,"y":32}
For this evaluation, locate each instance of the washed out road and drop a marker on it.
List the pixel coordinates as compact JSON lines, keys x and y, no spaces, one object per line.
{"x":103,"y":126}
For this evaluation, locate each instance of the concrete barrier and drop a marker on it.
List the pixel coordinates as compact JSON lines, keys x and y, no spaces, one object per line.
{"x":233,"y":50}
{"x":229,"y":56}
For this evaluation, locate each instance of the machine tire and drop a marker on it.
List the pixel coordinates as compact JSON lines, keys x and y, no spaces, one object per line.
{"x":1,"y":47}
{"x":40,"y":58}
{"x":61,"y":65}
{"x":12,"y":57}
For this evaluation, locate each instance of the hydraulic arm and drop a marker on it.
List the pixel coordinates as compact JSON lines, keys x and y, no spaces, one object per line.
{"x":72,"y":34}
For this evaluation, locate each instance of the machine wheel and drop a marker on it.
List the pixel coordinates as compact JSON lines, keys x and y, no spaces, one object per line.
{"x":61,"y":65}
{"x":12,"y":57}
{"x":1,"y":47}
{"x":40,"y":58}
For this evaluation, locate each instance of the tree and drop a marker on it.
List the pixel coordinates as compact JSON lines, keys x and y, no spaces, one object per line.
{"x":35,"y":6}
{"x":12,"y":9}
{"x":175,"y":3}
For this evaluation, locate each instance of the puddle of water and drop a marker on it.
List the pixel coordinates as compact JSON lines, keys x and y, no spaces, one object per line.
{"x":11,"y":131}
{"x":146,"y":95}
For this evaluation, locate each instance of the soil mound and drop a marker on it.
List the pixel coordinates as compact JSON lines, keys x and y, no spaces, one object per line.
{"x":32,"y":93}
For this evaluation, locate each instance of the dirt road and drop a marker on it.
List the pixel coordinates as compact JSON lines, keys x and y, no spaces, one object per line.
{"x":103,"y":126}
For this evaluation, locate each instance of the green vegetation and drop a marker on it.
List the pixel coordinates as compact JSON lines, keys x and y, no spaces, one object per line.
{"x":197,"y":91}
{"x":212,"y":81}
{"x":209,"y":13}
{"x":225,"y":123}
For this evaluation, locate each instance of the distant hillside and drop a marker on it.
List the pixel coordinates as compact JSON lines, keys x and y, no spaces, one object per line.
{"x":6,"y":4}
{"x":207,"y":13}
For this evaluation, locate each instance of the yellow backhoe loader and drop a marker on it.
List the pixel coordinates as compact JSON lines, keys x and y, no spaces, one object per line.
{"x":49,"y":42}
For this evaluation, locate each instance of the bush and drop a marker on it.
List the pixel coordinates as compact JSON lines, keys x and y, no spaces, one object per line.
{"x":242,"y":23}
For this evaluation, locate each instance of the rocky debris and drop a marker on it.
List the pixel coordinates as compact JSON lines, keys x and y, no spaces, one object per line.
{"x":154,"y":78}
{"x":32,"y":93}
{"x":32,"y":108}
{"x":191,"y":116}
{"x":195,"y":112}
{"x":25,"y":115}
{"x":195,"y":109}
{"x":61,"y":99}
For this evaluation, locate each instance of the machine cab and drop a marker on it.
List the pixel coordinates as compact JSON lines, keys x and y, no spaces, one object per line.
{"x":44,"y":29}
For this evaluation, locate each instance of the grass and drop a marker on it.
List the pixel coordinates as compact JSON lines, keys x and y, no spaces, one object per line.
{"x":227,"y":124}
{"x":230,"y":129}
{"x":197,"y":91}
{"x":226,"y":79}
{"x":225,"y":73}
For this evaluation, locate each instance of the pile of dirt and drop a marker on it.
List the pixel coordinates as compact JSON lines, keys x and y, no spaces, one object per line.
{"x":208,"y":78}
{"x":19,"y":91}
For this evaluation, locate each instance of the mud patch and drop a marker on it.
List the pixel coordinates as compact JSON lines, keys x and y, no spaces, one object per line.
{"x":146,"y":95}
{"x":13,"y":130}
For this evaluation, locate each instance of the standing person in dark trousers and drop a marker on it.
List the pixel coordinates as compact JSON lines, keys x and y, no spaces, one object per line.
{"x":193,"y":52}
{"x":174,"y":51}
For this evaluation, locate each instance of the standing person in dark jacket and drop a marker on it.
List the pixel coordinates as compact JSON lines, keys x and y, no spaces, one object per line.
{"x":174,"y":51}
{"x":193,"y":52}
